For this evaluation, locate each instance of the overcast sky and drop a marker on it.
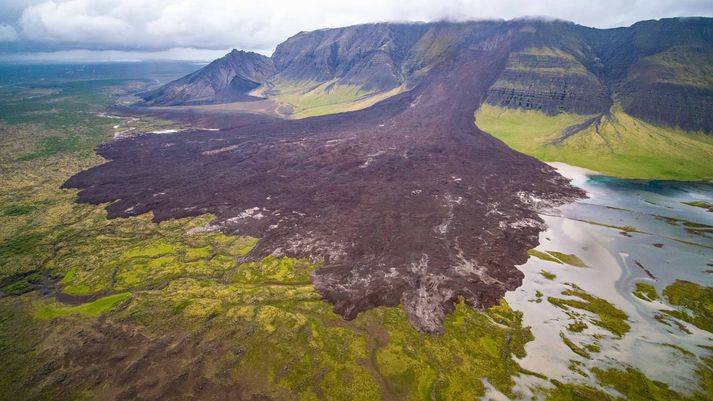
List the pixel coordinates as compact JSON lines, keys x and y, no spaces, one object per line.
{"x":92,"y":30}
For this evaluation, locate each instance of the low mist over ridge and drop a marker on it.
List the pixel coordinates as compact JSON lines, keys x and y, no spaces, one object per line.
{"x":42,"y":25}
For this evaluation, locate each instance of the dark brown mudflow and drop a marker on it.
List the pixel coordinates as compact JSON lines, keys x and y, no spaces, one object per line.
{"x":406,"y":201}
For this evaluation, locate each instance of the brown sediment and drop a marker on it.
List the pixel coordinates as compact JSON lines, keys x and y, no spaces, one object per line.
{"x":405,"y":201}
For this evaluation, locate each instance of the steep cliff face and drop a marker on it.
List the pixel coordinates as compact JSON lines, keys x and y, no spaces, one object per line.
{"x":376,"y":57}
{"x":549,"y":80}
{"x":367,"y":55}
{"x":227,"y":79}
{"x":659,"y":71}
{"x":548,"y":71}
{"x":673,"y":87}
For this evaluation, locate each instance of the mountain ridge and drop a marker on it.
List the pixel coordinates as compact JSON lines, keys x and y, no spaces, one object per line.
{"x":554,"y":66}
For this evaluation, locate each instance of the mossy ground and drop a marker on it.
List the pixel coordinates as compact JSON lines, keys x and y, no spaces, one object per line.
{"x":646,"y":291}
{"x":574,"y":347}
{"x":94,"y":308}
{"x":608,"y":316}
{"x":548,"y":275}
{"x":628,"y":383}
{"x":543,"y":256}
{"x":558,"y":257}
{"x":694,"y":302}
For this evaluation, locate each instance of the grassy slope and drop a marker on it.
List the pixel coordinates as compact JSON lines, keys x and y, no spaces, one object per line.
{"x":623,"y":146}
{"x":309,"y":99}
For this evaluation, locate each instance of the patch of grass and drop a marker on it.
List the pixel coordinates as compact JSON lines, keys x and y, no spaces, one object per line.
{"x":574,"y":347}
{"x":576,"y":392}
{"x":625,"y":230}
{"x":18,"y":347}
{"x":271,"y":269}
{"x":577,"y":327}
{"x":635,"y":386}
{"x":543,"y":256}
{"x":308,"y":99}
{"x":682,"y":350}
{"x":94,"y":308}
{"x":180,"y":306}
{"x":619,"y":145}
{"x":72,"y":288}
{"x":646,"y":291}
{"x":19,"y":245}
{"x":570,"y":259}
{"x":52,"y":146}
{"x":691,"y":227}
{"x":593,"y":348}
{"x":193,"y":254}
{"x":22,"y":285}
{"x":557,"y":257}
{"x":695,"y":303}
{"x":151,"y":250}
{"x":667,"y":320}
{"x":609,"y":317}
{"x":417,"y":366}
{"x":18,"y":210}
{"x":702,"y":204}
{"x":538,"y":297}
{"x":632,"y":384}
{"x":548,"y":275}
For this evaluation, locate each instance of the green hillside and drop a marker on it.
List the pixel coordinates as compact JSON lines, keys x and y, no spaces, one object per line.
{"x":616,"y":144}
{"x":309,"y":98}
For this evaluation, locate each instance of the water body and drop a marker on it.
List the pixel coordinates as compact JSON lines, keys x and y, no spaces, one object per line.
{"x":662,"y":250}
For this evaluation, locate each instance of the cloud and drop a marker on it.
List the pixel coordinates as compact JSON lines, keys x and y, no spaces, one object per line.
{"x":7,"y":33}
{"x":260,"y":25}
{"x":96,"y":56}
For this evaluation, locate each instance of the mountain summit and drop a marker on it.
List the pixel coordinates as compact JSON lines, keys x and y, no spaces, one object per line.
{"x":227,"y":79}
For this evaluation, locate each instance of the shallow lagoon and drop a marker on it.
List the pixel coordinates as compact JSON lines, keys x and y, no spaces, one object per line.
{"x":626,"y":232}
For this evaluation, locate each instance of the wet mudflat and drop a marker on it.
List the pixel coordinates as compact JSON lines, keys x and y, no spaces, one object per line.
{"x":635,"y":240}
